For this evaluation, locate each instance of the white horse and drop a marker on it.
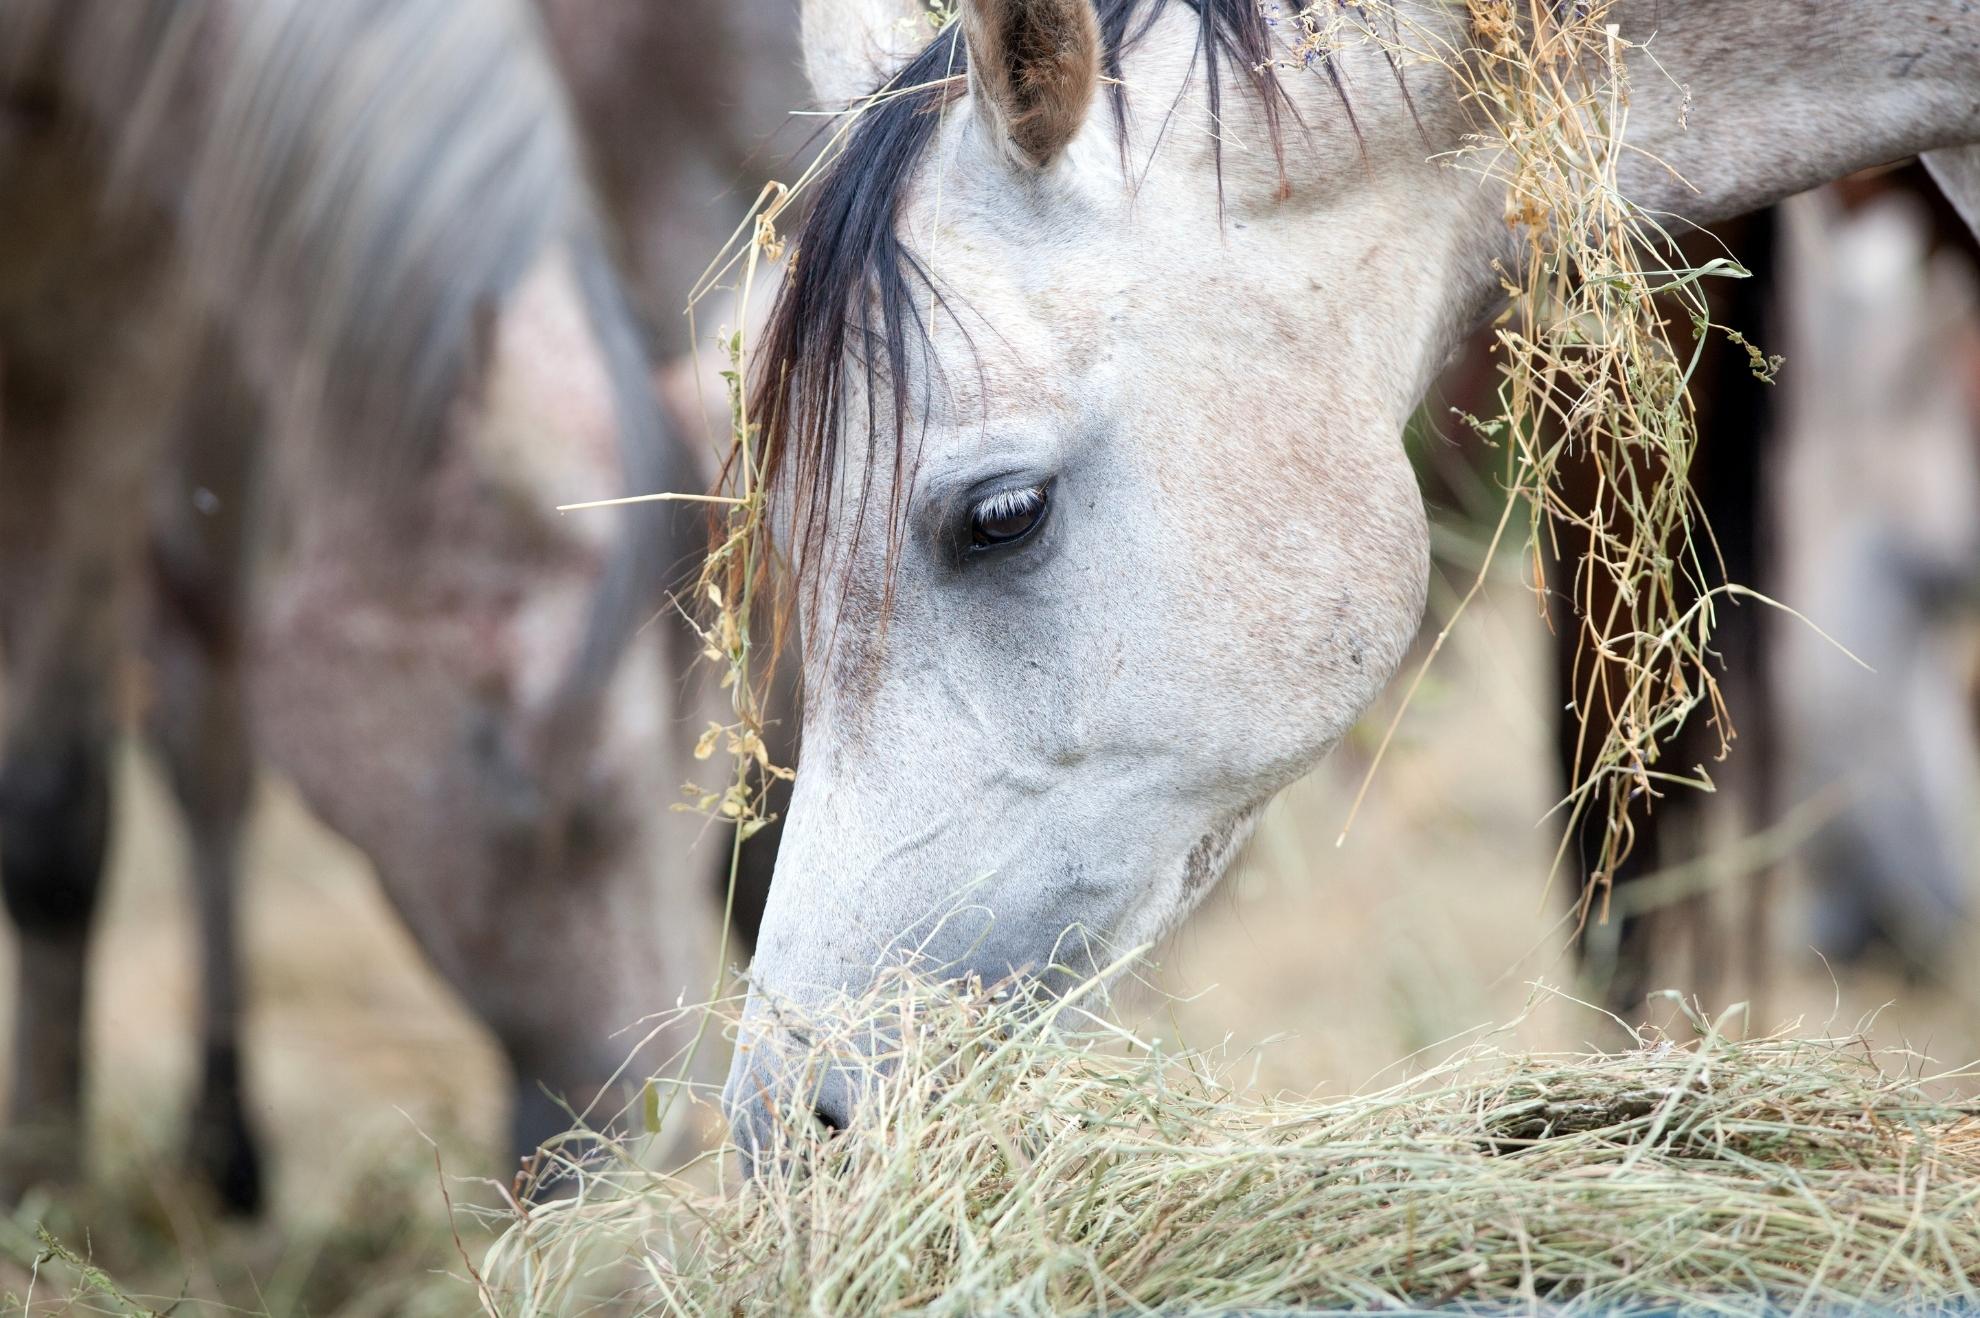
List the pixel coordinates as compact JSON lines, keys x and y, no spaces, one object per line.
{"x":1093,"y":398}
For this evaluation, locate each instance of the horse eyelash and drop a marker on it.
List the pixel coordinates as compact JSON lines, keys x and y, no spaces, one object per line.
{"x":1011,"y":503}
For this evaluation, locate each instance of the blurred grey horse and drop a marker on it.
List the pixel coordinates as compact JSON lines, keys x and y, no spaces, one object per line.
{"x":307,"y":317}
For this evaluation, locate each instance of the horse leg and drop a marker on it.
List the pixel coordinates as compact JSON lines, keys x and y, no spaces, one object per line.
{"x":60,"y":630}
{"x":1738,"y":451}
{"x":87,"y":354}
{"x":1763,"y":779}
{"x":198,"y":722}
{"x":54,"y":825}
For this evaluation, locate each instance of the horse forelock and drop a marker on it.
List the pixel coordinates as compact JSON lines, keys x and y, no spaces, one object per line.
{"x":856,"y":297}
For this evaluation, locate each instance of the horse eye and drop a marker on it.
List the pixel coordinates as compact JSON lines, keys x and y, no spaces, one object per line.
{"x":1006,"y":517}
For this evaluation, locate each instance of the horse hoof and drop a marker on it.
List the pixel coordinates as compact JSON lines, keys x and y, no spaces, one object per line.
{"x":223,"y":1154}
{"x":38,"y":1155}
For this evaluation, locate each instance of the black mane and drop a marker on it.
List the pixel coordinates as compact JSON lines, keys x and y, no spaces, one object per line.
{"x":855,"y":289}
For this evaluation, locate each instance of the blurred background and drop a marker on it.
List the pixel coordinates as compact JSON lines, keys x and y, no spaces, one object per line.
{"x":1830,"y":880}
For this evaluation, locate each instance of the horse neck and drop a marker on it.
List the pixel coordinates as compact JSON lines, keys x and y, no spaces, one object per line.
{"x":1732,"y":105}
{"x":1735,"y":104}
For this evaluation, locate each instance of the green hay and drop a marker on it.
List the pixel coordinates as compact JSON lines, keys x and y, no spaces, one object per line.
{"x":1040,"y":1161}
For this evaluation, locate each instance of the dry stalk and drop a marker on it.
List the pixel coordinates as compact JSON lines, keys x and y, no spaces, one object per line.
{"x":1591,"y":373}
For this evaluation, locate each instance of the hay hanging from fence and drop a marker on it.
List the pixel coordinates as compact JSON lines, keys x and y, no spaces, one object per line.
{"x":1605,"y":325}
{"x":1027,"y":1162}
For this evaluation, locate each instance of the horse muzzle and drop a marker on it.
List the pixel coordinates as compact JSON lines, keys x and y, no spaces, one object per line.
{"x":779,"y":1096}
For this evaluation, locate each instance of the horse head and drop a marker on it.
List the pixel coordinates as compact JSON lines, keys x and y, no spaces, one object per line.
{"x":1083,"y":404}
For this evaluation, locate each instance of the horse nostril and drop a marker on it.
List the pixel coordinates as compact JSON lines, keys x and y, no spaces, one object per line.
{"x":829,"y":1117}
{"x":768,"y":1091}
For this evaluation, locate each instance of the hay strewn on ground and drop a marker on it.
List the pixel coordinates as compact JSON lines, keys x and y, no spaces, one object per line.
{"x":1012,"y":1168}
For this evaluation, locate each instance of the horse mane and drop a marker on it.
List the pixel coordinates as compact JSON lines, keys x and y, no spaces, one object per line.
{"x":356,"y":186}
{"x":855,"y":291}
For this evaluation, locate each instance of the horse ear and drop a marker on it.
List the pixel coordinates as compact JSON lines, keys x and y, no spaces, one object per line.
{"x":1957,"y":172}
{"x":1034,"y":66}
{"x":851,"y":47}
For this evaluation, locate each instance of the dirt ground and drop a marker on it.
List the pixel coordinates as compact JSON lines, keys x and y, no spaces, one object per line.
{"x":356,"y":1055}
{"x":1430,"y":921}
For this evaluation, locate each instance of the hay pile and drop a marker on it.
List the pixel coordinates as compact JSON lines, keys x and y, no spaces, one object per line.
{"x":1014,"y":1168}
